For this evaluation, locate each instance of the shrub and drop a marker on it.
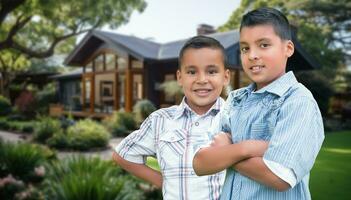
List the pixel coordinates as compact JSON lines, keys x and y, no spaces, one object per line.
{"x":5,"y":106}
{"x":84,"y":178}
{"x":22,"y":160}
{"x":120,"y":123}
{"x":59,"y":141}
{"x":46,"y":128}
{"x":44,"y":98}
{"x":4,"y":124}
{"x":143,"y":109}
{"x":87,"y":134}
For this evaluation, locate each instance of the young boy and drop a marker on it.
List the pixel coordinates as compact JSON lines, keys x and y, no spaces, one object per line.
{"x":170,"y":134}
{"x":275,"y":108}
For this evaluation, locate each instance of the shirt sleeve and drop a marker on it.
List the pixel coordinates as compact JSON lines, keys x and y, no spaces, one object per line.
{"x":139,"y":144}
{"x":297,"y":136}
{"x":284,"y":173}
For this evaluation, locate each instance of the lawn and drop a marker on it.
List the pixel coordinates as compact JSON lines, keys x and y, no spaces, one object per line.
{"x":331,"y":174}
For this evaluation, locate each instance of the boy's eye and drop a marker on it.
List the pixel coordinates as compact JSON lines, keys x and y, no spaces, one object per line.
{"x":244,"y":49}
{"x":191,"y":72}
{"x":264,"y":45}
{"x":212,"y":71}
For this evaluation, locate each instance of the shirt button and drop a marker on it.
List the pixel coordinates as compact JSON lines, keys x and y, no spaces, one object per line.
{"x":172,"y":138}
{"x":192,"y":173}
{"x":196,"y":123}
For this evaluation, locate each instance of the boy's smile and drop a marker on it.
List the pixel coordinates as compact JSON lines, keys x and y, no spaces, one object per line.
{"x":202,"y":77}
{"x":263,"y":54}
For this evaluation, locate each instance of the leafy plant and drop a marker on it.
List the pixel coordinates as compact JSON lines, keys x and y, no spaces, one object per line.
{"x":22,"y":160}
{"x":46,"y":128}
{"x":87,"y":134}
{"x":84,"y":178}
{"x":143,"y":109}
{"x":5,"y":106}
{"x":120,"y":123}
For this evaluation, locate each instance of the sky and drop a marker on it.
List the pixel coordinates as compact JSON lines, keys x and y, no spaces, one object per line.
{"x":170,"y":20}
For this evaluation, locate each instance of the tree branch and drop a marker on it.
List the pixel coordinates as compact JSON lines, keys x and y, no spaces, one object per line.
{"x":8,"y":6}
{"x":13,"y":31}
{"x":47,"y":53}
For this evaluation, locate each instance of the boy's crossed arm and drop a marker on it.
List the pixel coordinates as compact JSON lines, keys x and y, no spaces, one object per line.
{"x":245,"y":157}
{"x":222,"y":154}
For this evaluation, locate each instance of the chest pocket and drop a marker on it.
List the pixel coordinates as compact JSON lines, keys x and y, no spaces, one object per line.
{"x":173,"y":142}
{"x":261,"y":131}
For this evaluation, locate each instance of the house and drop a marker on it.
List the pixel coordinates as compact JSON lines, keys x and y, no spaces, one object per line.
{"x":115,"y":71}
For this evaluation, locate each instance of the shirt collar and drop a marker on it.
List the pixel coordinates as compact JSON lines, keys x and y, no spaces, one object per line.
{"x":281,"y":85}
{"x":184,"y":109}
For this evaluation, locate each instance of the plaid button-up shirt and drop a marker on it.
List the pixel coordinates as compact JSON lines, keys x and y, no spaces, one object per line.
{"x":171,"y":135}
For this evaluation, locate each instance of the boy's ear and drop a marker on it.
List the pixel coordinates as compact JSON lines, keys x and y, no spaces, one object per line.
{"x":179,"y":78}
{"x":226,"y":77}
{"x":290,"y":48}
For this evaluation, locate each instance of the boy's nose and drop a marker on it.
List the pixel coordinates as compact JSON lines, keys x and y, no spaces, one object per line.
{"x":202,"y":78}
{"x":253,"y":55}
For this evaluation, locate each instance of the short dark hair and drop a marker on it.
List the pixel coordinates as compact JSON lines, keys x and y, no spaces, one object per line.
{"x":199,"y":42}
{"x":268,"y":16}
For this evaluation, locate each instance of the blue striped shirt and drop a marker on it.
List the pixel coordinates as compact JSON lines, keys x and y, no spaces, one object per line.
{"x":171,"y":135}
{"x":285,"y":114}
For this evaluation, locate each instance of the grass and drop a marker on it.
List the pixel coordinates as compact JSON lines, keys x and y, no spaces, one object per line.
{"x":331,"y":174}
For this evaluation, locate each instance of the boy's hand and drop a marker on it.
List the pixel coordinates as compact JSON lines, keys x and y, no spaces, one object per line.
{"x":255,"y":148}
{"x":221,"y":139}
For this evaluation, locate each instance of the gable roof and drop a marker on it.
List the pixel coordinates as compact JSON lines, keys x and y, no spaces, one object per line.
{"x":149,"y":50}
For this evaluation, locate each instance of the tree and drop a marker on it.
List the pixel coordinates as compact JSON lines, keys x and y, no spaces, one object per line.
{"x":40,"y":28}
{"x":36,"y":27}
{"x":324,"y":31}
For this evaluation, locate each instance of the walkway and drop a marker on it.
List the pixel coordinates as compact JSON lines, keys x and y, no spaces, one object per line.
{"x":103,"y":154}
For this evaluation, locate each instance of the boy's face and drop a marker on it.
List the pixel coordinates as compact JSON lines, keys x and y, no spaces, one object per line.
{"x":263,"y":54}
{"x":202,"y":76}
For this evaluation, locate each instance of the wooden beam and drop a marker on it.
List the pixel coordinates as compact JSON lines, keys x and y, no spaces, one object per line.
{"x":129,"y":87}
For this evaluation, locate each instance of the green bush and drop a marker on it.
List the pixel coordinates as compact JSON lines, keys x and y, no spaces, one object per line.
{"x":143,"y":109}
{"x":120,"y":123}
{"x":58,"y":141}
{"x":46,"y":128}
{"x":22,"y":160}
{"x":5,"y":106}
{"x":86,"y":134}
{"x":84,"y":178}
{"x":4,"y":124}
{"x":44,"y":98}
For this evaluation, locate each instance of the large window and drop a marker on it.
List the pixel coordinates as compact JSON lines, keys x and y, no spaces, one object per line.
{"x":99,"y":63}
{"x":110,"y":61}
{"x":137,"y":87}
{"x":121,"y":90}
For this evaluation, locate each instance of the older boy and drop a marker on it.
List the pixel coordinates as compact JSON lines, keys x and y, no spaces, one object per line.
{"x":170,"y":134}
{"x":275,"y":108}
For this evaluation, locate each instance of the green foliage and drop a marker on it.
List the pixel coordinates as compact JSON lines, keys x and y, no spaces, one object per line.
{"x":59,"y":141}
{"x":46,"y":128}
{"x":172,"y":89}
{"x":4,"y":124}
{"x":5,"y":106}
{"x":86,"y":134}
{"x":143,"y":109}
{"x":21,"y":160}
{"x":120,"y":123}
{"x":84,"y":178}
{"x":44,"y":98}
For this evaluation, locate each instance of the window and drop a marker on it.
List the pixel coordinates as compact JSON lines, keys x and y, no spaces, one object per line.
{"x":99,"y":63}
{"x":121,"y":63}
{"x":110,"y":62}
{"x":137,"y":64}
